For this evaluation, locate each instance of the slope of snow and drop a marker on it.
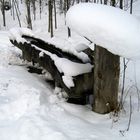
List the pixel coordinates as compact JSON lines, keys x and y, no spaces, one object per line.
{"x":109,"y":27}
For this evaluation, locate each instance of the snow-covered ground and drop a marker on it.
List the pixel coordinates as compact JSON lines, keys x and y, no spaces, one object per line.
{"x":30,"y":109}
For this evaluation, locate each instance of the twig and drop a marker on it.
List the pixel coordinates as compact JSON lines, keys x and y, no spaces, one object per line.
{"x":122,"y":132}
{"x":130,"y":115}
{"x":123,"y":84}
{"x":88,"y":39}
{"x":137,"y":88}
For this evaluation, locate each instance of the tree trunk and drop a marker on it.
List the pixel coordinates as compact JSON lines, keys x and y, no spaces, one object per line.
{"x":55,"y":19}
{"x":131,"y":6}
{"x":34,"y":8}
{"x":16,"y":8}
{"x":68,"y":6}
{"x":121,"y":4}
{"x":106,"y":81}
{"x":29,"y":21}
{"x":3,"y":13}
{"x":50,"y":20}
{"x":105,"y":2}
{"x":40,"y":8}
{"x":13,"y":10}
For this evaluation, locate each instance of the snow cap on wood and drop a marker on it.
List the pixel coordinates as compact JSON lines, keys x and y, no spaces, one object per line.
{"x":106,"y":26}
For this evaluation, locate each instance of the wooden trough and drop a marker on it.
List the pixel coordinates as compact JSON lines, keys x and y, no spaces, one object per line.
{"x":31,"y":52}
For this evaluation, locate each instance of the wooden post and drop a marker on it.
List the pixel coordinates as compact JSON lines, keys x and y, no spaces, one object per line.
{"x":106,"y":81}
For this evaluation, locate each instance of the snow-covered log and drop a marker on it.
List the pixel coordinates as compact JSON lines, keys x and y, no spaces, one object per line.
{"x":68,"y":71}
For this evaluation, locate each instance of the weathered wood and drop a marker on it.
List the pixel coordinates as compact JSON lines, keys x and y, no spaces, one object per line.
{"x":106,"y":80}
{"x":83,"y":83}
{"x":52,"y":48}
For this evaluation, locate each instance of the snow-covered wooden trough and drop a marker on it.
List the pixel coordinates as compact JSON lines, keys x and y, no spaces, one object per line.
{"x":70,"y":72}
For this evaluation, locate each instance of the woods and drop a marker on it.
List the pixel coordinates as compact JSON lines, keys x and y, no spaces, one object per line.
{"x":69,"y":70}
{"x":106,"y":65}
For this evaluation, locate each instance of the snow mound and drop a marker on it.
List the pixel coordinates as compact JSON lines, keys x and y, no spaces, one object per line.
{"x":8,"y":53}
{"x":109,"y":27}
{"x":67,"y":67}
{"x":16,"y":34}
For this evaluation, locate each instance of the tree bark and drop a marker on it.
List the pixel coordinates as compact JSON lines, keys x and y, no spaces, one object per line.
{"x":106,"y":81}
{"x":131,"y":6}
{"x":3,"y":13}
{"x":68,"y":6}
{"x":29,"y":21}
{"x":50,"y":21}
{"x":121,"y":4}
{"x":34,"y":8}
{"x":55,"y":18}
{"x":16,"y":8}
{"x":40,"y":9}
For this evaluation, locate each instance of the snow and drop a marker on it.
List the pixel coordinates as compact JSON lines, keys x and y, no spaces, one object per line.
{"x":81,"y":47}
{"x":65,"y":66}
{"x":68,"y":68}
{"x":16,"y":34}
{"x":71,"y":68}
{"x":68,"y":80}
{"x":30,"y":109}
{"x":106,"y":26}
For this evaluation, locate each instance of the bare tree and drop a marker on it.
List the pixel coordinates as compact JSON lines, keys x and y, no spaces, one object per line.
{"x":68,"y":5}
{"x":17,"y":11}
{"x":29,"y":21}
{"x":40,"y":9}
{"x":50,"y":20}
{"x":121,"y":4}
{"x":55,"y":19}
{"x":3,"y":12}
{"x":131,"y":6}
{"x":34,"y":8}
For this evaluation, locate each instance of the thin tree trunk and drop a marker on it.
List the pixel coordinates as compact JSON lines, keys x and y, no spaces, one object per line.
{"x":13,"y":10}
{"x":105,"y":2}
{"x":50,"y":26}
{"x":55,"y":14}
{"x":113,"y":3}
{"x":131,"y":6}
{"x":40,"y":3}
{"x":17,"y":4}
{"x":34,"y":9}
{"x":61,"y":6}
{"x":106,"y":81}
{"x":3,"y":13}
{"x":51,"y":22}
{"x":121,"y":4}
{"x":16,"y":8}
{"x":68,"y":5}
{"x":29,"y":21}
